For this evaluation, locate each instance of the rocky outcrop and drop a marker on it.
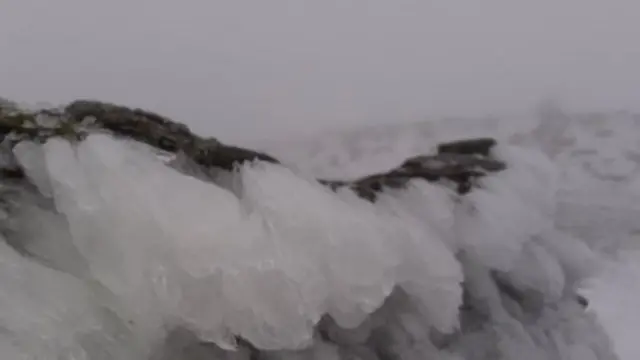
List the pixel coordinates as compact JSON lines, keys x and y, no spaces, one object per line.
{"x":81,"y":117}
{"x":459,"y":163}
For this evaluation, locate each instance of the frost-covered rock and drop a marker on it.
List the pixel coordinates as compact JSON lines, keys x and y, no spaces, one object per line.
{"x":132,"y":238}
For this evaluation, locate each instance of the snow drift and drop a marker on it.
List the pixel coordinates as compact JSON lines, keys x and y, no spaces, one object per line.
{"x":114,"y":252}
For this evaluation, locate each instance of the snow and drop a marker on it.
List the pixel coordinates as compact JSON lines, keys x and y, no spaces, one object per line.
{"x":614,"y":297}
{"x":127,"y":249}
{"x":597,"y":157}
{"x":272,"y":263}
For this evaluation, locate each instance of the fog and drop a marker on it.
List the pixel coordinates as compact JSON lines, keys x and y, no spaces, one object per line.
{"x":243,"y":69}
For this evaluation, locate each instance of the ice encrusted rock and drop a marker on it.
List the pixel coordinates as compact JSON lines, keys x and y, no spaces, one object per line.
{"x":118,"y":253}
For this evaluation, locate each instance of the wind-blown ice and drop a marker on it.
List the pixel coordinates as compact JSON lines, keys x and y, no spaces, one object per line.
{"x":275,"y":258}
{"x":48,"y":314}
{"x":613,"y":309}
{"x":273,"y":261}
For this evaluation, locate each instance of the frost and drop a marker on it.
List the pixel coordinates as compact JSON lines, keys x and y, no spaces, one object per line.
{"x":272,"y":263}
{"x":131,"y":259}
{"x":32,"y":159}
{"x":508,"y":210}
{"x":45,"y":313}
{"x":46,"y":121}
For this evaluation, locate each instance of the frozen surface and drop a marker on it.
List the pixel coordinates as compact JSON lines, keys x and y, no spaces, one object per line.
{"x":170,"y":246}
{"x":131,"y":259}
{"x":598,"y":161}
{"x":615,"y":297}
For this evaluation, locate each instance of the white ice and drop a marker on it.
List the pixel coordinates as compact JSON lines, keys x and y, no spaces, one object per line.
{"x":615,"y":297}
{"x":266,"y":265}
{"x":267,"y":255}
{"x":597,"y":156}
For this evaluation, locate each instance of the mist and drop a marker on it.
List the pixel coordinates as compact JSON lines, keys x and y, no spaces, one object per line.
{"x":242,"y":69}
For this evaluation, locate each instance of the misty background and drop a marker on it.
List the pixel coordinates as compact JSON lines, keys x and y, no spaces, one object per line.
{"x":241,"y":69}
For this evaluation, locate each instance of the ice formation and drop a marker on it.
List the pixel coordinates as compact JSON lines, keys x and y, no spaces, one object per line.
{"x":117,"y":255}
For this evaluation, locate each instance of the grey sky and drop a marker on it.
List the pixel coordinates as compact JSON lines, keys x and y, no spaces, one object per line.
{"x":256,"y":68}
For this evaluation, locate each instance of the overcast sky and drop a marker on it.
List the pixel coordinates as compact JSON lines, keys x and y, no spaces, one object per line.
{"x":256,"y":68}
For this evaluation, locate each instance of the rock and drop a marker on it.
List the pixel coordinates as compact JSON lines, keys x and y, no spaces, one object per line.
{"x":478,"y":146}
{"x":83,"y":116}
{"x":583,"y":301}
{"x":225,"y":156}
{"x":136,"y":124}
{"x":460,"y":169}
{"x":460,"y":162}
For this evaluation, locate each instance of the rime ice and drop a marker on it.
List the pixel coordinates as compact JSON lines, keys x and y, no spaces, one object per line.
{"x":275,"y":259}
